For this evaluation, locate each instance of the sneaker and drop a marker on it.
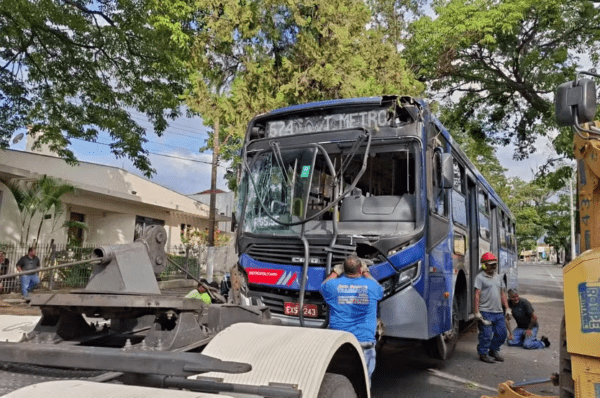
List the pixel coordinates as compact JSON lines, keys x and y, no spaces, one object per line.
{"x":496,"y":355}
{"x":545,"y":340}
{"x":486,"y":358}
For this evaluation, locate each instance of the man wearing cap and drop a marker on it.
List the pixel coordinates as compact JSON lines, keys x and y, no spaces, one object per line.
{"x":490,"y":306}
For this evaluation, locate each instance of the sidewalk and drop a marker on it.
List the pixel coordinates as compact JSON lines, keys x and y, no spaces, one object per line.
{"x":13,"y":304}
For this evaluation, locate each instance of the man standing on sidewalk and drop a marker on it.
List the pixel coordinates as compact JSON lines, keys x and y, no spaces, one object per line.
{"x":490,"y":307}
{"x":351,"y":294}
{"x":28,"y":263}
{"x":524,"y":335}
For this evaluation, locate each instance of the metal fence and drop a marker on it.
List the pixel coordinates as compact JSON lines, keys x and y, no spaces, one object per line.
{"x":199,"y":261}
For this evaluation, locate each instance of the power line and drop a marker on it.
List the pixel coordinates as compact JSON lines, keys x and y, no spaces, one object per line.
{"x":159,"y":154}
{"x":182,"y":127}
{"x":170,"y":123}
{"x":171,"y":130}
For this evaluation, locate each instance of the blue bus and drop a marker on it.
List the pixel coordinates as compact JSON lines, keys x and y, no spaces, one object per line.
{"x":379,"y":177}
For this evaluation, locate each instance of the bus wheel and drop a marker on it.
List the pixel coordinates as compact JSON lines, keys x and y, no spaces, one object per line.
{"x":566,"y":384}
{"x":336,"y":386}
{"x":442,"y":346}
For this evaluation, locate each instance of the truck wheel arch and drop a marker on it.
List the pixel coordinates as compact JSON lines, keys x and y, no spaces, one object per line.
{"x":289,"y":355}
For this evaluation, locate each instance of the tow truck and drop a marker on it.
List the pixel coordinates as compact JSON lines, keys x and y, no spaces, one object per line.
{"x":120,"y":337}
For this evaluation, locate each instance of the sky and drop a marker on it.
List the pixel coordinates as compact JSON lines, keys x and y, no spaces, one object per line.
{"x":183,"y":139}
{"x":526,"y":169}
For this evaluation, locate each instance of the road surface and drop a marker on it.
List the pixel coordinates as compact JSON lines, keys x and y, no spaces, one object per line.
{"x":406,"y":371}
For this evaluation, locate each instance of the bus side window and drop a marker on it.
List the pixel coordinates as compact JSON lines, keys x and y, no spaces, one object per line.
{"x":439,"y":205}
{"x":484,"y":214}
{"x":460,"y":244}
{"x":513,"y":240}
{"x":504,"y":239}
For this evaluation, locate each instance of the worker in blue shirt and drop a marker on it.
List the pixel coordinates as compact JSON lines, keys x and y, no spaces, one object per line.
{"x":351,"y":294}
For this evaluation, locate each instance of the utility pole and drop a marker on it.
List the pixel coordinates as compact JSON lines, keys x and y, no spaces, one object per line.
{"x":573,"y":253}
{"x":213,"y":186}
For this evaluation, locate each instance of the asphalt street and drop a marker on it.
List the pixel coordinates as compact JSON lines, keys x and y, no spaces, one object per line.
{"x":406,"y":371}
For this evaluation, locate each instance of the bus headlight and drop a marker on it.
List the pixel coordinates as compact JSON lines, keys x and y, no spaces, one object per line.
{"x":409,"y":273}
{"x":401,"y":280}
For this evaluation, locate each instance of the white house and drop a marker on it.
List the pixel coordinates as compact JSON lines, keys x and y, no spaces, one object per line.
{"x":224,"y":205}
{"x":114,"y":203}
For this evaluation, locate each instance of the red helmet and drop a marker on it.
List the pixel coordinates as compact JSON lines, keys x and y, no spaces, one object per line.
{"x":487,"y":257}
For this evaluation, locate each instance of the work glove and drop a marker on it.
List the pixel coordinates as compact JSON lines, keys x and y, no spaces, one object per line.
{"x":507,"y":316}
{"x":478,"y":316}
{"x":338,"y":269}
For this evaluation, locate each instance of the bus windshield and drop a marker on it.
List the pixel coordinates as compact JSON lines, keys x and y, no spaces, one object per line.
{"x":281,"y":181}
{"x":295,"y":184}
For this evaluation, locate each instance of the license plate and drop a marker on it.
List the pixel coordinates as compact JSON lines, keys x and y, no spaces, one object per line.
{"x":310,"y":310}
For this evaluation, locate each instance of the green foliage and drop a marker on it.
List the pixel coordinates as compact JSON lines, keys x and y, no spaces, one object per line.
{"x":557,"y":223}
{"x":72,"y":68}
{"x":506,"y":58}
{"x":39,"y":198}
{"x":254,"y":57}
{"x":196,"y":237}
{"x":77,"y":275}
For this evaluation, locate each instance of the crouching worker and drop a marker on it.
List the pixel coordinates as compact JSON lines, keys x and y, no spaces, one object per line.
{"x":200,"y":293}
{"x":351,"y":294}
{"x":524,"y":335}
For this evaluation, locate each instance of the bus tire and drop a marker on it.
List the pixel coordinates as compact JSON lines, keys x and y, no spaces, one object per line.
{"x":566,"y":384}
{"x":336,"y":386}
{"x":442,"y":346}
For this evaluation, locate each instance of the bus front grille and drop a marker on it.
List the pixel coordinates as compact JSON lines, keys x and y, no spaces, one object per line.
{"x":293,"y":253}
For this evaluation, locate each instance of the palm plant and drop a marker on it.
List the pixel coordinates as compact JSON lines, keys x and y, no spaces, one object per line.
{"x":40,"y":197}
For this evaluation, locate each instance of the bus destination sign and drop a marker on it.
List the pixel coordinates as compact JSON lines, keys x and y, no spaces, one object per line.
{"x":339,"y":121}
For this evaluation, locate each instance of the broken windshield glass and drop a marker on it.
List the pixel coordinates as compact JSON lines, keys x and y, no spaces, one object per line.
{"x":281,"y":180}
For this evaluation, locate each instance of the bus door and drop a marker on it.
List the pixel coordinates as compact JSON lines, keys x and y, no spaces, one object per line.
{"x":473,"y":230}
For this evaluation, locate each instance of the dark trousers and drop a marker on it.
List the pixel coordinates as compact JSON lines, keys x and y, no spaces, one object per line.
{"x":491,"y":337}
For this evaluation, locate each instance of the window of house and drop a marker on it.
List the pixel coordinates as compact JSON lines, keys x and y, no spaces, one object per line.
{"x":75,"y":234}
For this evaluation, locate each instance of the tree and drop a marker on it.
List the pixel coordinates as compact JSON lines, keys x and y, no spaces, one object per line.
{"x":38,"y":199}
{"x":556,"y":219}
{"x":270,"y":55}
{"x":505,"y":59}
{"x":72,"y":68}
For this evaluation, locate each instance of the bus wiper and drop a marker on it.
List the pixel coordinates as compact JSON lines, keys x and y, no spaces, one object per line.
{"x":279,"y":160}
{"x":350,"y":156}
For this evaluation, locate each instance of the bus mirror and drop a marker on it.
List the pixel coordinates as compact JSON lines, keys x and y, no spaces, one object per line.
{"x":574,"y":97}
{"x":448,"y":170}
{"x":233,"y":222}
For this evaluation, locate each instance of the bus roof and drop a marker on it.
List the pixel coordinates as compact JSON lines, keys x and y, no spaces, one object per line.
{"x":328,"y":104}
